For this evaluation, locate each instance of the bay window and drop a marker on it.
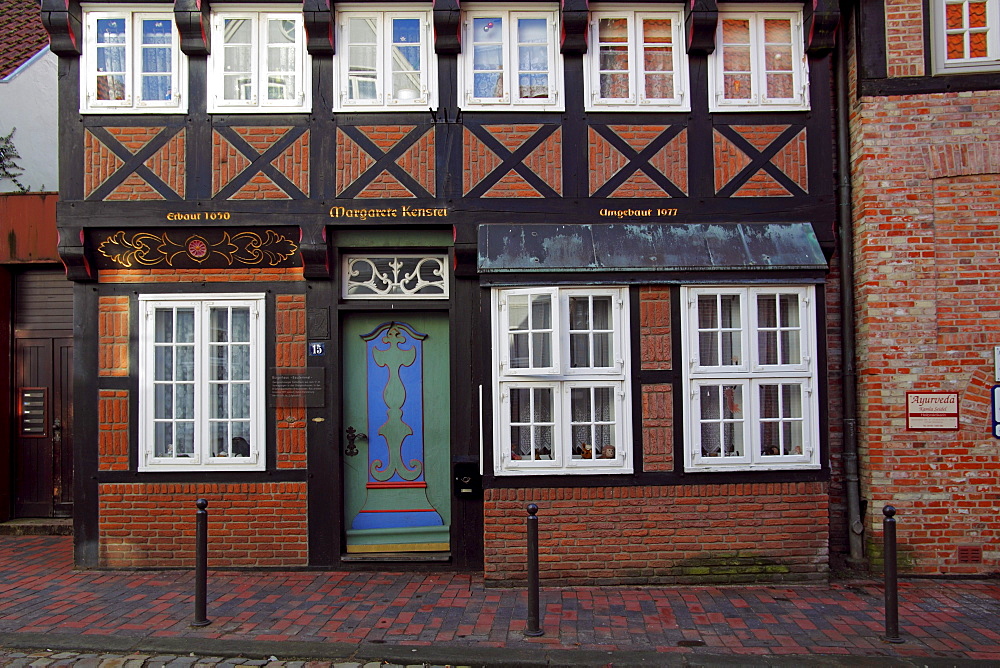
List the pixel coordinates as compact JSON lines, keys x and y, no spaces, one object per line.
{"x":385,"y":60}
{"x":636,"y":61}
{"x":561,"y":361}
{"x":759,"y":62}
{"x":131,"y":62}
{"x":510,"y":60}
{"x":201,"y":382}
{"x":750,"y":378}
{"x":258,"y":63}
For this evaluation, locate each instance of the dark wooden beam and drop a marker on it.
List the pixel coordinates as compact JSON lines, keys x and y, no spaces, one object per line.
{"x":192,"y":20}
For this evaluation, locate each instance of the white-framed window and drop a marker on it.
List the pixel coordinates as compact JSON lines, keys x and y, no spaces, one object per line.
{"x":131,"y":61}
{"x":385,"y":60}
{"x":759,"y":62}
{"x":510,"y":60}
{"x":561,"y":360}
{"x":636,"y":61}
{"x":258,"y":62}
{"x":965,"y":36}
{"x":750,"y":378}
{"x":201,"y":382}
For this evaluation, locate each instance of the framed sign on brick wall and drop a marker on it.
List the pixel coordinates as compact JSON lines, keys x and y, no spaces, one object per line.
{"x":932,"y":411}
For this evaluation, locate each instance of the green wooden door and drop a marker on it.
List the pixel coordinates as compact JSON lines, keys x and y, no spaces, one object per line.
{"x":397,"y":416}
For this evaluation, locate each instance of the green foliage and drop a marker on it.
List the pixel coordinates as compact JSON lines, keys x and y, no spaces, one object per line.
{"x":9,"y":169}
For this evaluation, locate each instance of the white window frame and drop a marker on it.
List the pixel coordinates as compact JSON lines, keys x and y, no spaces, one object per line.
{"x":132,"y":104}
{"x":759,"y":101}
{"x":561,"y":380}
{"x":636,"y":100}
{"x":202,"y":458}
{"x":426,"y":96}
{"x":509,"y":16}
{"x":258,"y":77}
{"x":939,"y":32}
{"x":748,"y":373}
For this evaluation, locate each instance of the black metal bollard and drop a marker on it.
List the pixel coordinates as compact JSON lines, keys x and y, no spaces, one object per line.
{"x":891,"y":591}
{"x":201,"y":564}
{"x":533,"y":629}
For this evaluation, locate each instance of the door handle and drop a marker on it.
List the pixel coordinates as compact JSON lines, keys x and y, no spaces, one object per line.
{"x":57,"y":431}
{"x":352,"y":435}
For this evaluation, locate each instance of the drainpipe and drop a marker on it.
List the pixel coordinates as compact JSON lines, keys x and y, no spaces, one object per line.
{"x":845,"y":223}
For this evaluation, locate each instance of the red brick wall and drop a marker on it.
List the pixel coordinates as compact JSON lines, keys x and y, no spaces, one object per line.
{"x":290,"y":353}
{"x":927,"y":209}
{"x":690,"y":533}
{"x":249,"y":525}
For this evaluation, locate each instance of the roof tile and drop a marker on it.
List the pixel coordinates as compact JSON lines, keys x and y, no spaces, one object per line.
{"x":22,"y":34}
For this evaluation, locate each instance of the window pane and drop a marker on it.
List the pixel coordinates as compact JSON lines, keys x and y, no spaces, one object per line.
{"x":362,"y":59}
{"x":220,"y":324}
{"x":533,"y":58}
{"x":487,"y":57}
{"x":163,"y":401}
{"x":185,"y":363}
{"x":163,"y":439}
{"x":220,"y":439}
{"x":519,"y":351}
{"x":406,"y":66}
{"x":613,"y":30}
{"x":241,"y":400}
{"x":185,"y":401}
{"x":780,"y":86}
{"x":237,"y":56}
{"x":579,"y":351}
{"x":220,"y":406}
{"x":157,"y":62}
{"x":239,"y":363}
{"x":721,"y":420}
{"x":219,"y":363}
{"x":517,"y":306}
{"x":541,"y":312}
{"x":111,"y":59}
{"x":163,"y":363}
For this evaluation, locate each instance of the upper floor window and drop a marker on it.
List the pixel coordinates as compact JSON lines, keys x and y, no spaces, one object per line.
{"x":510,"y":60}
{"x":561,"y":377}
{"x":636,"y":61}
{"x":966,"y":37}
{"x":759,"y":62}
{"x":132,"y":62}
{"x":258,"y":63}
{"x":385,"y":60}
{"x":201,"y":382}
{"x":750,"y":378}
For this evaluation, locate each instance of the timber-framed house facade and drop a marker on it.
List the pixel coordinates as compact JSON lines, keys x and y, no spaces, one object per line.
{"x":371,"y":277}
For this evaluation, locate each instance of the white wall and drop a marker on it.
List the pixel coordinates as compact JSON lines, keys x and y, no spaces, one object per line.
{"x":28,"y":102}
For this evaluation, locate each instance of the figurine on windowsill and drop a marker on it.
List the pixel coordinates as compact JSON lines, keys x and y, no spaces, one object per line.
{"x":543,"y":453}
{"x":608,"y":452}
{"x":584,"y":450}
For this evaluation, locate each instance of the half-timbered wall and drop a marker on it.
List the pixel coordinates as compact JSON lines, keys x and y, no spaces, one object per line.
{"x":234,"y":204}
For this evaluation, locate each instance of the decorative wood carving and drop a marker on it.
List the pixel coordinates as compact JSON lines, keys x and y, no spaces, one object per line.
{"x":209,"y":248}
{"x":318,"y":18}
{"x":820,"y":20}
{"x":701,"y":17}
{"x":193,"y":19}
{"x":447,"y":27}
{"x":574,"y":19}
{"x":64,"y":23}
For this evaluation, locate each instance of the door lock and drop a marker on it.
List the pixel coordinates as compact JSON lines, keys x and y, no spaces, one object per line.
{"x":352,"y":435}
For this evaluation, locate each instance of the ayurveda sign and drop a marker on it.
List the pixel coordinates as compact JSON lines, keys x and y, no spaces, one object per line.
{"x":932,"y":411}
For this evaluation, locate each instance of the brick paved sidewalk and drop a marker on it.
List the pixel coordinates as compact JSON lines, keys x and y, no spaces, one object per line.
{"x":42,"y":597}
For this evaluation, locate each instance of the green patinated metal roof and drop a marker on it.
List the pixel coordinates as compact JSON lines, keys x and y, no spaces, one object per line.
{"x":649,"y":247}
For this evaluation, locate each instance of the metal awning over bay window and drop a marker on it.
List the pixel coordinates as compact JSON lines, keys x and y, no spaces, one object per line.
{"x":649,"y":247}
